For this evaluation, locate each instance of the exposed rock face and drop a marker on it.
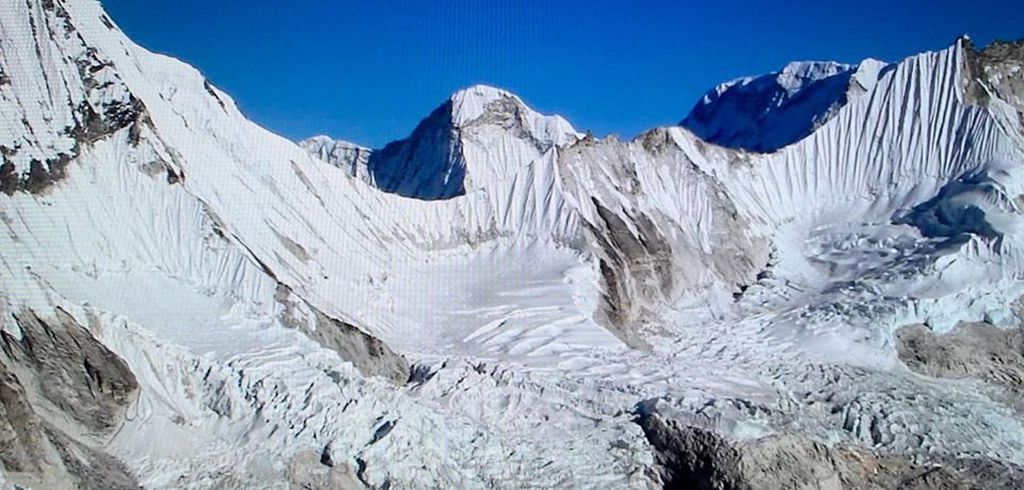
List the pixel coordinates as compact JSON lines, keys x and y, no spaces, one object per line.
{"x":63,"y":395}
{"x":369,"y":354}
{"x":795,"y":379}
{"x":84,"y":379}
{"x":96,"y":105}
{"x":649,"y":254}
{"x":980,"y":351}
{"x":693,"y":457}
{"x":309,"y":472}
{"x":633,"y":266}
{"x":996,"y":72}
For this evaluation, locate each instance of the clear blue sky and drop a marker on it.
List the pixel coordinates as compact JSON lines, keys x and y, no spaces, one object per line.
{"x":369,"y":70}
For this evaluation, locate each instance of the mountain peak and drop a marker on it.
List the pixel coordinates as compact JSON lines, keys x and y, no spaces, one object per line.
{"x":469,"y":104}
{"x":765,"y":113}
{"x":228,"y":295}
{"x":450,"y":144}
{"x":797,"y":75}
{"x":473,"y":103}
{"x":481,"y":92}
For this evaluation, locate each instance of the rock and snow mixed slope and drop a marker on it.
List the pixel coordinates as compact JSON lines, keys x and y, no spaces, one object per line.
{"x":498,"y":300}
{"x":350,"y":157}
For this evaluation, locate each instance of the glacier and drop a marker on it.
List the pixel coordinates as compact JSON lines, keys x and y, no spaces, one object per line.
{"x":812,"y":282}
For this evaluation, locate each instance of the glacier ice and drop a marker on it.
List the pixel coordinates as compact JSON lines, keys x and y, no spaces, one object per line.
{"x":500,"y":300}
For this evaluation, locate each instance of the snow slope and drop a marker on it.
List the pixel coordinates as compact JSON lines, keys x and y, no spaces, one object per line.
{"x":221,"y":368}
{"x":768,"y":112}
{"x":496,"y":300}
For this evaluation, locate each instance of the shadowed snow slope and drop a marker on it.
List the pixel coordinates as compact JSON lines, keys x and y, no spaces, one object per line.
{"x":481,"y":127}
{"x":765,"y":113}
{"x":498,"y":300}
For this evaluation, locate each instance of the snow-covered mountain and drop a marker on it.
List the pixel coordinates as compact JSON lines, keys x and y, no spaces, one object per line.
{"x":768,"y":112}
{"x":347,"y":156}
{"x":498,"y":300}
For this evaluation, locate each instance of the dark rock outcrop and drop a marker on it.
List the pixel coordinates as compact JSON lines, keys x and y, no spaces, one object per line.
{"x":63,"y":395}
{"x":370,"y":355}
{"x":994,"y":71}
{"x":696,"y":458}
{"x":980,"y":351}
{"x":98,"y":104}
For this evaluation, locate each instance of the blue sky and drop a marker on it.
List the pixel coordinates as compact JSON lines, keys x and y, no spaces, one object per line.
{"x":369,"y":70}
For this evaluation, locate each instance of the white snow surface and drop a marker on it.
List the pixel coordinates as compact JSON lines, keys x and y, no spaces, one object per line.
{"x":482,"y":265}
